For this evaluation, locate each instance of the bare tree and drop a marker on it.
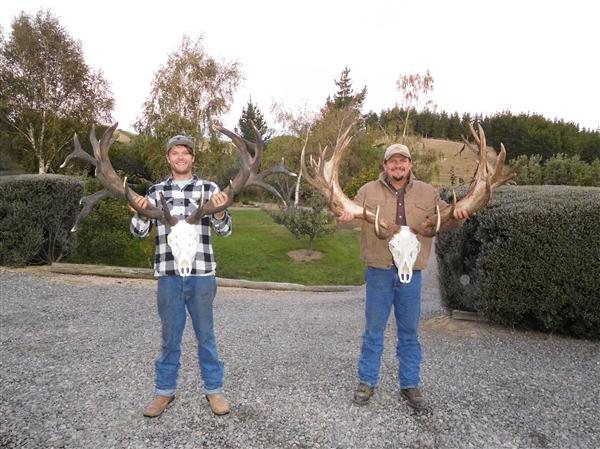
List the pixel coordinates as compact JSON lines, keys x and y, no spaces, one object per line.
{"x":414,"y":88}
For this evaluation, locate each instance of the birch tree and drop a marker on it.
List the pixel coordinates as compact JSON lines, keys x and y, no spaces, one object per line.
{"x":47,"y":90}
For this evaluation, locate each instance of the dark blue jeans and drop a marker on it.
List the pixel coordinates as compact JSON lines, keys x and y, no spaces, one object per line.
{"x":175,"y":295}
{"x":385,"y":290}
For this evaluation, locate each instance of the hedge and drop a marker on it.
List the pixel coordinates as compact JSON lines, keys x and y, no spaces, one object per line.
{"x":531,"y":259}
{"x":36,"y":215}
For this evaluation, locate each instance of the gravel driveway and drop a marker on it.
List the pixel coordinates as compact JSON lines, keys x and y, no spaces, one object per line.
{"x":76,"y":369}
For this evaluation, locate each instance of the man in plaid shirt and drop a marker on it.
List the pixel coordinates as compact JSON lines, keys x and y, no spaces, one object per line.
{"x":196,"y":292}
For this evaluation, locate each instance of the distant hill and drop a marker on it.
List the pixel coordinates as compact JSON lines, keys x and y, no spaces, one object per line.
{"x":464,"y":162}
{"x":124,"y":136}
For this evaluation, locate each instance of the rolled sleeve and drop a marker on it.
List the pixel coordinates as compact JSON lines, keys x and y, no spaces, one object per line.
{"x":138,"y":227}
{"x":222,"y":227}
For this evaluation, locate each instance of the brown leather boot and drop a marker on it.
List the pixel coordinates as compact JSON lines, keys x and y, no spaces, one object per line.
{"x":363,"y":394}
{"x":415,"y":398}
{"x":218,"y":403}
{"x":157,"y":406}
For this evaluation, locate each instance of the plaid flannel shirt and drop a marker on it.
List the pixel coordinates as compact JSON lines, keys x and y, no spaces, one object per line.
{"x":182,"y":202}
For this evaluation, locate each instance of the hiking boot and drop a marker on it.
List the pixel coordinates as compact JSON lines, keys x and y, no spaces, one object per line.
{"x":218,"y":404}
{"x":363,"y":393}
{"x":415,"y":398}
{"x":157,"y":406}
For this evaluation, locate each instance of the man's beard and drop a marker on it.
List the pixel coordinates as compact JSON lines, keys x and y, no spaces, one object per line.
{"x":398,"y":178}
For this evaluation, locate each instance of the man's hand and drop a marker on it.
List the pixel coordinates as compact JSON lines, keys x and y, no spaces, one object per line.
{"x":345,"y":217}
{"x":143,"y":202}
{"x":462,"y":214}
{"x":219,"y":199}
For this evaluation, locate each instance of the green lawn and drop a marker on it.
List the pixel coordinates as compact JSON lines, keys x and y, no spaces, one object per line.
{"x":257,"y":251}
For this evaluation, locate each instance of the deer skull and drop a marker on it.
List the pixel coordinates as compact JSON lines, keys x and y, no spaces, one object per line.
{"x":405,"y":248}
{"x":183,"y":241}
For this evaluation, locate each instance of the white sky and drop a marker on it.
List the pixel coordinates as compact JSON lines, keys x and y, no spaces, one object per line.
{"x":521,"y":56}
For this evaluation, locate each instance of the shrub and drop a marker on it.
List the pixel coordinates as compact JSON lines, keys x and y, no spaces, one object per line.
{"x":558,"y":170}
{"x":353,"y":186}
{"x":104,"y":238}
{"x":310,"y":222}
{"x":36,"y":215}
{"x":531,"y":258}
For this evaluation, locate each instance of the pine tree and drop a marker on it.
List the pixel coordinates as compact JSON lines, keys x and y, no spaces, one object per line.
{"x":251,"y":113}
{"x":345,"y":97}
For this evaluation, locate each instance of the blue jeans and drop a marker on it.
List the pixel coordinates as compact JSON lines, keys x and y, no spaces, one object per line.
{"x":384,"y":289}
{"x":175,"y":295}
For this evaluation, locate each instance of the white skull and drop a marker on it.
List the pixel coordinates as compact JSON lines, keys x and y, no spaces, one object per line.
{"x":183,"y":240}
{"x":405,"y":248}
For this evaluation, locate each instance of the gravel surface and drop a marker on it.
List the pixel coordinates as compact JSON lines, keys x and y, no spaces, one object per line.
{"x":77,"y":367}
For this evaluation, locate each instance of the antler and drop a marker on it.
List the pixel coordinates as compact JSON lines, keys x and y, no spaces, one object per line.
{"x":105,"y":173}
{"x":326,"y":180}
{"x":249,"y":165}
{"x":115,"y":188}
{"x":481,"y":188}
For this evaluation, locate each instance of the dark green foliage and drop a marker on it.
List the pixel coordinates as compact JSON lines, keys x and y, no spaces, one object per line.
{"x":558,"y":170}
{"x":104,"y":238}
{"x":252,"y":114}
{"x":530,"y":259}
{"x":345,"y":96}
{"x":36,"y":215}
{"x":368,"y":175}
{"x":522,"y":134}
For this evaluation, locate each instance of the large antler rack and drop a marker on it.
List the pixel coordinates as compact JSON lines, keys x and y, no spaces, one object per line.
{"x":114,"y":187}
{"x":325,"y":179}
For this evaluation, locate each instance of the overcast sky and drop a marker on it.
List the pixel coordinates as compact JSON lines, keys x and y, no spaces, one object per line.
{"x":485,"y":57}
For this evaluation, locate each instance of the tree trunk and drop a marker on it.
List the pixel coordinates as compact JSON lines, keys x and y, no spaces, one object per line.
{"x":406,"y":123}
{"x":42,"y":169}
{"x":311,"y":244}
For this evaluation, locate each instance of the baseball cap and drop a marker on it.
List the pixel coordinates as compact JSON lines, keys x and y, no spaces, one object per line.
{"x":180,"y":140}
{"x":396,"y":148}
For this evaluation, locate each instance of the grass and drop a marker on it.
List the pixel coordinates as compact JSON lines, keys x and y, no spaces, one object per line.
{"x":257,"y":251}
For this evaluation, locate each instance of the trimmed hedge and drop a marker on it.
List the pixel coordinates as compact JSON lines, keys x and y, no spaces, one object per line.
{"x":531,"y":259}
{"x":36,"y":215}
{"x":104,"y":238}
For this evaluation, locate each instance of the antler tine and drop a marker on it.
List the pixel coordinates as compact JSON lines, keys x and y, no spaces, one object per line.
{"x":498,"y":178}
{"x":161,"y":214}
{"x":95,"y":143}
{"x":340,"y":149}
{"x":474,"y":134}
{"x":303,"y":169}
{"x":88,"y":203}
{"x":104,"y":170}
{"x":481,"y":134}
{"x":78,"y":153}
{"x":472,"y":147}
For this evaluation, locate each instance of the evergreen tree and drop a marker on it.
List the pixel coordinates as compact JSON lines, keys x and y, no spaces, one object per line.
{"x":345,"y":97}
{"x":251,"y":113}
